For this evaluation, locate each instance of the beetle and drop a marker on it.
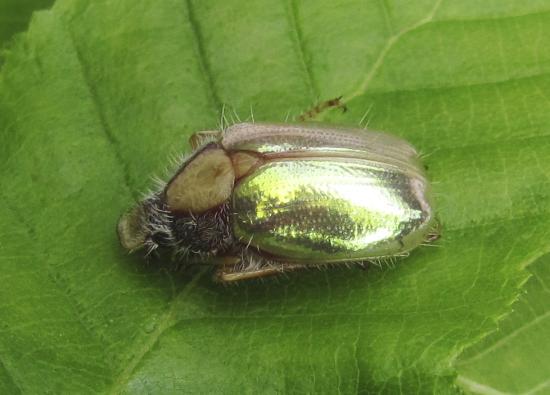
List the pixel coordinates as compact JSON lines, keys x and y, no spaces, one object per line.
{"x":261,"y":199}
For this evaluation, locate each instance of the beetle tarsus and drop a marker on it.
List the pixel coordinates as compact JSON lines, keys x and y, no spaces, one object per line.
{"x":322,"y":106}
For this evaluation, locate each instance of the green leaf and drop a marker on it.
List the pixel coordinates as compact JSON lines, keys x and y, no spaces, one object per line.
{"x":97,"y":95}
{"x":15,"y":15}
{"x":516,"y":359}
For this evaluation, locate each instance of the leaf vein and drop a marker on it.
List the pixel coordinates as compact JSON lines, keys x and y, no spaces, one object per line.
{"x":100,"y":112}
{"x":363,"y":86}
{"x":301,"y":53}
{"x":478,"y":388}
{"x":202,"y":58}
{"x":167,"y":321}
{"x":538,"y":387}
{"x":502,"y":341}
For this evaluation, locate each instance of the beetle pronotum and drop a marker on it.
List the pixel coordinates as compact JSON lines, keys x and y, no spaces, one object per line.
{"x":267,"y":198}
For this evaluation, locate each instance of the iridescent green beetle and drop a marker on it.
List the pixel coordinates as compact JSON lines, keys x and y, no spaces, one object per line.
{"x":263,"y":199}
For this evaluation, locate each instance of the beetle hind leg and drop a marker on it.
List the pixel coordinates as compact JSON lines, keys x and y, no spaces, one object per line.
{"x":252,"y":267}
{"x":227,"y":274}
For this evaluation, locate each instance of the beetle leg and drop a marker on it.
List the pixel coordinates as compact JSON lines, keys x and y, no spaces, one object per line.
{"x":198,"y":139}
{"x":320,"y":107}
{"x":250,"y":265}
{"x":435,"y":233}
{"x":230,"y":274}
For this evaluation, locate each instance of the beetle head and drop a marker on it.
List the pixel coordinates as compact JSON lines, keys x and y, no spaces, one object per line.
{"x":151,"y":225}
{"x":189,"y":214}
{"x":148,"y":225}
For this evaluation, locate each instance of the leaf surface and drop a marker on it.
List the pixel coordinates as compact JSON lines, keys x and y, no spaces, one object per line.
{"x":515,"y":359}
{"x":97,"y":95}
{"x":15,"y":15}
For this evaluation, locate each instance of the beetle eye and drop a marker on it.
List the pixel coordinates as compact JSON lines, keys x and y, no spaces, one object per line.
{"x":205,"y":182}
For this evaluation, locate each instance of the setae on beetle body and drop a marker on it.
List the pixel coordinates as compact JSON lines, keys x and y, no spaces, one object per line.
{"x":261,"y":199}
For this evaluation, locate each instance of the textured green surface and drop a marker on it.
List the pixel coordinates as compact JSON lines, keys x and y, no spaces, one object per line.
{"x":515,"y":359}
{"x":97,"y":95}
{"x":15,"y":15}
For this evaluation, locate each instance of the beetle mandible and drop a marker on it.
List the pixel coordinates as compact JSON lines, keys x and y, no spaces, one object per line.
{"x":260,"y":199}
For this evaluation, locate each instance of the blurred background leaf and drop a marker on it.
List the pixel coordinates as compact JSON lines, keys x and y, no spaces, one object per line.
{"x":15,"y":15}
{"x":97,"y":95}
